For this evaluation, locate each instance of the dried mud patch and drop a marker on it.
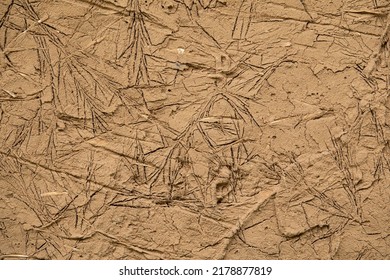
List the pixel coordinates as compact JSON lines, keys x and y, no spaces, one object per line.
{"x":219,"y":129}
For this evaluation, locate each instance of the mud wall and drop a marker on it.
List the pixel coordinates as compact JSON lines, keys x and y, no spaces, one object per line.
{"x":194,"y":129}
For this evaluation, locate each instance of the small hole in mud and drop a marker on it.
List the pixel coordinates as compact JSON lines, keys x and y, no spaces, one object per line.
{"x":221,"y":185}
{"x":219,"y":200}
{"x":169,"y":90}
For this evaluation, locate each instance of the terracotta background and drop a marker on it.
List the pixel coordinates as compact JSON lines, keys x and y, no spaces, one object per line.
{"x":194,"y":129}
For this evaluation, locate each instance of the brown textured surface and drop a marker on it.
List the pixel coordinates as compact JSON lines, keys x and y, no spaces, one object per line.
{"x":194,"y":129}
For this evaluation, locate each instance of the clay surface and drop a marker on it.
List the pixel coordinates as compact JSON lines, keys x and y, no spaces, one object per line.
{"x":194,"y":129}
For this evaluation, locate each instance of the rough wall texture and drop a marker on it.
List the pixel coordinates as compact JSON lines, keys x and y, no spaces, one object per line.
{"x":194,"y":129}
